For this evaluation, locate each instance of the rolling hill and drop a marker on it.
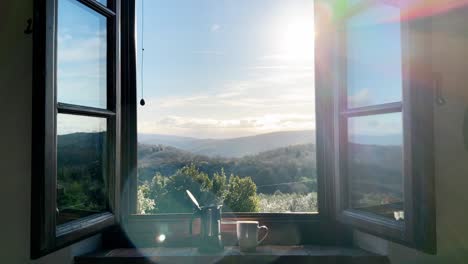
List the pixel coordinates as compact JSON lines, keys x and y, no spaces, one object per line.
{"x":372,"y":168}
{"x":233,"y":147}
{"x":272,"y":170}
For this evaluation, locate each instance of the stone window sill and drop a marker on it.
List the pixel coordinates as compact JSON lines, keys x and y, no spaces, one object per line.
{"x":264,"y":254}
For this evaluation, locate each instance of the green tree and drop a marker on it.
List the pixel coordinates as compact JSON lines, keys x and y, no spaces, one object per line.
{"x":219,"y":188}
{"x":175,"y":199}
{"x":157,"y":191}
{"x":241,"y":195}
{"x":145,"y":204}
{"x":167,"y":194}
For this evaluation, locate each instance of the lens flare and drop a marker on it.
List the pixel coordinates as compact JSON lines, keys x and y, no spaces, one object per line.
{"x":161,"y":238}
{"x":410,"y":9}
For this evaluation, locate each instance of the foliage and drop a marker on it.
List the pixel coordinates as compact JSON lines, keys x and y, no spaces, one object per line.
{"x":375,"y":175}
{"x":241,"y":195}
{"x":80,"y":174}
{"x":220,"y":187}
{"x":269,"y":169}
{"x":285,"y":178}
{"x":169,"y":196}
{"x":287,"y":202}
{"x":144,"y":204}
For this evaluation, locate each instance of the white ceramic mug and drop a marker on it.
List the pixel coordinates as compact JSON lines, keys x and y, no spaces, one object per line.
{"x":247,"y":235}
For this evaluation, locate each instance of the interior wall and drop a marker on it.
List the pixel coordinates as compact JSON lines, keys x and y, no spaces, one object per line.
{"x":15,"y":140}
{"x":450,"y":59}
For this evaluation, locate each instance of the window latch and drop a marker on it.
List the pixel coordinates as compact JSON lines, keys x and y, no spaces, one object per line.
{"x":437,"y":82}
{"x":28,"y":29}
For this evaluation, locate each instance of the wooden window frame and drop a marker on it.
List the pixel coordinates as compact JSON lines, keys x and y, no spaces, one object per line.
{"x":416,"y":107}
{"x":313,"y":228}
{"x":324,"y":228}
{"x":46,"y":235}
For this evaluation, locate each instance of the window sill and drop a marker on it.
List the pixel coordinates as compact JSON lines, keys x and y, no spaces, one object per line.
{"x":264,"y":254}
{"x":285,"y":229}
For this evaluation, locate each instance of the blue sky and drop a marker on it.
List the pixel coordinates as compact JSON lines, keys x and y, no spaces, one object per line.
{"x":374,"y":57}
{"x":81,"y":55}
{"x":81,"y":64}
{"x":227,"y":68}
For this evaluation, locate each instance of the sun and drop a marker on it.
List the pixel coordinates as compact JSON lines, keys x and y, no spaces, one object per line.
{"x":296,"y":37}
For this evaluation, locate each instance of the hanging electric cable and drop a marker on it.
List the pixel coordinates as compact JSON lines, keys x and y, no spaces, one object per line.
{"x":142,"y":101}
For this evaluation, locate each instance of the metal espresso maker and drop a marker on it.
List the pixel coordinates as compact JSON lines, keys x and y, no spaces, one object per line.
{"x":210,"y":226}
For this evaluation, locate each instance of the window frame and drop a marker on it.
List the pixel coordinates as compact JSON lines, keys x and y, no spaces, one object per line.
{"x":46,"y":235}
{"x":418,"y":230}
{"x":329,"y":227}
{"x":314,"y":228}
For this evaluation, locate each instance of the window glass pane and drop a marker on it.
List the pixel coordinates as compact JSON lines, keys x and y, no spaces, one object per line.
{"x":104,"y":2}
{"x":239,"y":127}
{"x":81,"y":149}
{"x":375,"y":164}
{"x":374,"y":56}
{"x":81,"y":55}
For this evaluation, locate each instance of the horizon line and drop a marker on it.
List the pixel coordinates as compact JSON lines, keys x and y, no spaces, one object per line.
{"x":208,"y":138}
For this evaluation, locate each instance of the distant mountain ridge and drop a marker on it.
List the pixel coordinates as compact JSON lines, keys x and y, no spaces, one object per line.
{"x":233,"y":147}
{"x":269,"y":170}
{"x":373,"y":168}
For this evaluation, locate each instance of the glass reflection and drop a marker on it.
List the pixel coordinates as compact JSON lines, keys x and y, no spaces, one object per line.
{"x":81,"y":149}
{"x":81,"y":55}
{"x":374,"y":57}
{"x":104,"y":2}
{"x":375,"y":164}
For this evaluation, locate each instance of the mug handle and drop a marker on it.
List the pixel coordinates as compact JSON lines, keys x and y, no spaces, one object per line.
{"x":266,"y":234}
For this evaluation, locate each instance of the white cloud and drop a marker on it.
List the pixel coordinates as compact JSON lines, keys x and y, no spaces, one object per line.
{"x":294,"y":58}
{"x":228,"y":94}
{"x":67,"y":124}
{"x":265,"y":93}
{"x":208,"y":52}
{"x":378,"y":125}
{"x":224,"y":128}
{"x":277,"y":93}
{"x":361,"y":98}
{"x":89,"y":47}
{"x":265,"y":103}
{"x":275,"y":57}
{"x":81,"y":66}
{"x":215,"y":28}
{"x":269,"y":67}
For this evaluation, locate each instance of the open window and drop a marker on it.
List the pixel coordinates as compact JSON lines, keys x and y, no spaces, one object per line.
{"x":229,"y":120}
{"x":76,"y":122}
{"x":230,"y":115}
{"x":282,"y":124}
{"x":376,"y":65}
